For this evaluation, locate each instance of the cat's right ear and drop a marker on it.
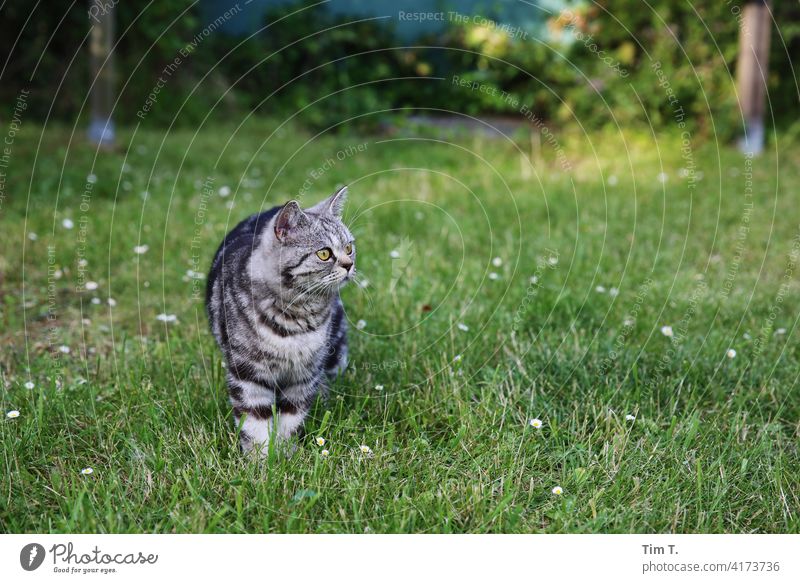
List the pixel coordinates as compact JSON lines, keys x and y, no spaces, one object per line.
{"x":288,"y":218}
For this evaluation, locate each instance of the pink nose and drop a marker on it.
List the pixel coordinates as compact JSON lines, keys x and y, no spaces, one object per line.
{"x":346,"y":262}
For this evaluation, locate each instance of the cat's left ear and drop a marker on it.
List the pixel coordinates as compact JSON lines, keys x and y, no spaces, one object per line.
{"x":333,"y":205}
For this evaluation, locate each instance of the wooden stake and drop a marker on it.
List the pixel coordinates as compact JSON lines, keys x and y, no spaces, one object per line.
{"x":752,"y":72}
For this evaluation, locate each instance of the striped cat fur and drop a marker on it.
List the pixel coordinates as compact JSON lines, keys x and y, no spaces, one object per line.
{"x":274,"y":309}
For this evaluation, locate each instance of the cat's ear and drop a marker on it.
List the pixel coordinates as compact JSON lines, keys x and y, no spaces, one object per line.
{"x":333,"y":205}
{"x":288,"y":218}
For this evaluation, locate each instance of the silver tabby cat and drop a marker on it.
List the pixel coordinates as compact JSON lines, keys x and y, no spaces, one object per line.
{"x":274,"y":308}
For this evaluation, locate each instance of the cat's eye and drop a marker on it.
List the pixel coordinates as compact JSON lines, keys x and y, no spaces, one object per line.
{"x":348,"y":248}
{"x":324,"y":254}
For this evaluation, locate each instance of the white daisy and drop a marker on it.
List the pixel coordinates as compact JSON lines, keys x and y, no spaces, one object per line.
{"x":558,"y":490}
{"x":630,"y":417}
{"x":780,"y":331}
{"x":497,"y":262}
{"x":534,"y":279}
{"x":112,"y":302}
{"x":141,"y":249}
{"x":365,"y":449}
{"x":96,"y":301}
{"x":324,"y":453}
{"x":457,"y":358}
{"x":64,"y":348}
{"x":600,"y":289}
{"x":730,"y":353}
{"x":552,"y":260}
{"x":87,"y":471}
{"x":91,"y":285}
{"x":67,"y":223}
{"x":378,"y":387}
{"x":320,"y":441}
{"x":224,"y":190}
{"x":361,"y":324}
{"x":463,"y":327}
{"x":535,"y":423}
{"x":167,"y":318}
{"x":394,"y":254}
{"x":628,"y":322}
{"x":12,"y":414}
{"x":667,"y":331}
{"x":613,"y":292}
{"x":82,"y":263}
{"x":29,"y":385}
{"x":493,"y":276}
{"x":32,"y":236}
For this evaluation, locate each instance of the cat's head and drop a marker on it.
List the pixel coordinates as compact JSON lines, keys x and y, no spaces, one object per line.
{"x":314,"y":250}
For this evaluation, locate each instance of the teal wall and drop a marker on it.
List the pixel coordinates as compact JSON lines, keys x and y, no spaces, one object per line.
{"x":530,"y":15}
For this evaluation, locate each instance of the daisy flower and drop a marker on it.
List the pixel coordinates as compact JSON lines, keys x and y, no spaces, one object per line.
{"x":87,"y":471}
{"x":378,"y":387}
{"x":613,"y":292}
{"x":167,"y":318}
{"x":64,"y":349}
{"x":780,"y":331}
{"x":558,"y":490}
{"x":12,"y":414}
{"x":730,"y":353}
{"x":324,"y":453}
{"x":141,"y":249}
{"x":361,"y":324}
{"x":535,"y":423}
{"x":463,"y":327}
{"x":552,"y":260}
{"x":320,"y":441}
{"x":29,"y":385}
{"x":32,"y":236}
{"x":67,"y":223}
{"x":630,"y":417}
{"x":394,"y":254}
{"x":667,"y":331}
{"x":96,"y":301}
{"x":493,"y":276}
{"x":534,"y":279}
{"x":91,"y":285}
{"x":224,"y":190}
{"x":497,"y":262}
{"x":112,"y":302}
{"x":365,"y":449}
{"x":600,"y":289}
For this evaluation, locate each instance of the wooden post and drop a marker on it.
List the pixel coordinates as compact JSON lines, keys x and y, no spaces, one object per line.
{"x":101,"y":41}
{"x":752,"y":72}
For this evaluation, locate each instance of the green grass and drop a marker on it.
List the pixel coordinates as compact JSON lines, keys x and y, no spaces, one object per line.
{"x":714,"y":447}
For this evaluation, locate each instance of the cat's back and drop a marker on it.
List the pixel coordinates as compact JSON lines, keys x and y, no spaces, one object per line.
{"x":236,"y":248}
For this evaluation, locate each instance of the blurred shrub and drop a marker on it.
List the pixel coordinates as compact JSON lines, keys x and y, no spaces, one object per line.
{"x":594,"y":64}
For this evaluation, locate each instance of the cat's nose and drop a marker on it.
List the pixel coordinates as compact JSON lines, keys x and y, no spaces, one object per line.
{"x":346,"y":262}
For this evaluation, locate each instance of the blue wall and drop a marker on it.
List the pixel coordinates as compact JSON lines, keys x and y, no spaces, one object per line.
{"x":529,"y":15}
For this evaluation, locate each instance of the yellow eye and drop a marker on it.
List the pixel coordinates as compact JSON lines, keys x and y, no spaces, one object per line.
{"x":348,"y":248}
{"x":324,"y":254}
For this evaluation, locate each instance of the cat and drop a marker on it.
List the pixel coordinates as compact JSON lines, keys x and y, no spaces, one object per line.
{"x":274,"y":309}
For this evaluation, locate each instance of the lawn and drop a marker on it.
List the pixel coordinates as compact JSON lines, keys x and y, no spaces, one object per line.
{"x":503,"y":285}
